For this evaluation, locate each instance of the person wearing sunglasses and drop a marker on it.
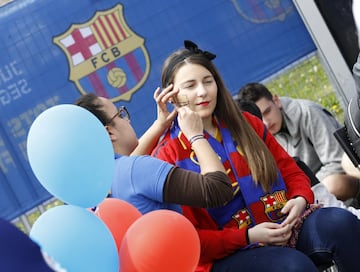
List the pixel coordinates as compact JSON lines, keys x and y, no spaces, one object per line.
{"x":147,"y":182}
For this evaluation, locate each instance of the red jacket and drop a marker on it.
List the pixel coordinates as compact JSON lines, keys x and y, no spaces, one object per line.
{"x":215,"y":243}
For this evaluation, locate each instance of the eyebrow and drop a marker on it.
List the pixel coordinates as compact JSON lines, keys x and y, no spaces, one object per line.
{"x":267,"y":109}
{"x":187,"y":82}
{"x":194,"y":80}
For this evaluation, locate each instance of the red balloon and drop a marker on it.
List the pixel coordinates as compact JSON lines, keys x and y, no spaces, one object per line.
{"x":118,"y":215}
{"x":160,"y":241}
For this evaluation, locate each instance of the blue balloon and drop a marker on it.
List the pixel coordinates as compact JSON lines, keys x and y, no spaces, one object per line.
{"x":71,"y":154}
{"x":76,"y":239}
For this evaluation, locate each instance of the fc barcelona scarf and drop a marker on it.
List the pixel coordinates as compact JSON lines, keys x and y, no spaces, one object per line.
{"x":250,"y":205}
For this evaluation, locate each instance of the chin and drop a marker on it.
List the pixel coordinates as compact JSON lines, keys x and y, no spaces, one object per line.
{"x":136,"y":143}
{"x":274,"y":131}
{"x":205,"y":113}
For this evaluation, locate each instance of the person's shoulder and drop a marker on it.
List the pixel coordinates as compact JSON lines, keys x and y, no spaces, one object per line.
{"x":162,"y":145}
{"x":139,"y":161}
{"x":255,"y":122}
{"x":251,"y":118}
{"x":317,"y":111}
{"x":305,"y":105}
{"x":299,"y":101}
{"x":131,"y":159}
{"x":309,"y":103}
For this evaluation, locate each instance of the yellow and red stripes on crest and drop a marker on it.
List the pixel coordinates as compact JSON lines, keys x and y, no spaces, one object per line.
{"x":108,"y":30}
{"x":280,"y":196}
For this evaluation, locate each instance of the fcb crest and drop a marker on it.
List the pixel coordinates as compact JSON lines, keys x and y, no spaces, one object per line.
{"x":242,"y":218}
{"x":105,"y":56}
{"x":273,"y":203}
{"x":263,"y":11}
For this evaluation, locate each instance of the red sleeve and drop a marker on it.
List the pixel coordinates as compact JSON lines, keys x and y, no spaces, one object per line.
{"x":215,"y":244}
{"x":163,"y":151}
{"x":297,"y":182}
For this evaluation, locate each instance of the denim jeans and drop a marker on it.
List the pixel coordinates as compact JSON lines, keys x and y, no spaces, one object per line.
{"x":328,"y":235}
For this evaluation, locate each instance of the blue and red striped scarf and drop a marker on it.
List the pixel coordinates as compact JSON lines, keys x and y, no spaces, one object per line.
{"x":250,"y":205}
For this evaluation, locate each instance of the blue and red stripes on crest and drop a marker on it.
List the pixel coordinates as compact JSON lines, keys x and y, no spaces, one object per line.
{"x":133,"y":64}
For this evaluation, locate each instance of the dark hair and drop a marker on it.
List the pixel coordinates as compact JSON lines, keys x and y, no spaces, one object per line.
{"x":254,"y":92}
{"x":250,"y":107}
{"x":91,"y":102}
{"x":260,"y":160}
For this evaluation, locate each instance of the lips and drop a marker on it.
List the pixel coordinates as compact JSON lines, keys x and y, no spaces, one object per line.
{"x":271,"y":127}
{"x":204,"y":103}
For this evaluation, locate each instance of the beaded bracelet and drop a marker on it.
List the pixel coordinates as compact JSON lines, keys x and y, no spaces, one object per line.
{"x":195,"y":138}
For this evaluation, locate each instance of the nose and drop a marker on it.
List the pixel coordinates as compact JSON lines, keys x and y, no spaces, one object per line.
{"x":266,"y":122}
{"x":201,"y":90}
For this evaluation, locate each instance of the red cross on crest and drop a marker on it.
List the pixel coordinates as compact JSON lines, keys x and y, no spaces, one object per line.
{"x":105,"y":56}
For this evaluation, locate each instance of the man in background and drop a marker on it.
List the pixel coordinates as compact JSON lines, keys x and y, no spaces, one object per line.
{"x":305,"y":130}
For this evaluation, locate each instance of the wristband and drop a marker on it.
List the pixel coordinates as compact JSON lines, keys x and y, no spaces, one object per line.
{"x":195,"y":138}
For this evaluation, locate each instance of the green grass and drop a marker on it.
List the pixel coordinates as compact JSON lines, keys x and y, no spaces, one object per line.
{"x":34,"y":214}
{"x":308,"y":80}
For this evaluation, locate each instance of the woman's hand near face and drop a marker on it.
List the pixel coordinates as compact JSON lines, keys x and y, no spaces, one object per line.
{"x":190,"y":122}
{"x":191,"y":125}
{"x":164,"y":117}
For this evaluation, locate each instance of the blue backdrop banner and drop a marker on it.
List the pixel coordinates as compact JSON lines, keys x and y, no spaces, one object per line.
{"x":54,"y":51}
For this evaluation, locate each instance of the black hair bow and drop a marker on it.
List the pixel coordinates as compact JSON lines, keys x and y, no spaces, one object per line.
{"x":191,"y":46}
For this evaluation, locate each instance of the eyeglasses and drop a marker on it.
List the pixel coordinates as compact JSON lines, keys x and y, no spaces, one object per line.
{"x":122,"y":113}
